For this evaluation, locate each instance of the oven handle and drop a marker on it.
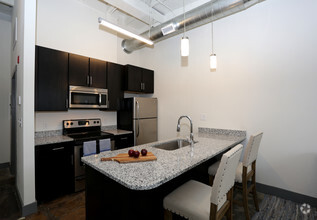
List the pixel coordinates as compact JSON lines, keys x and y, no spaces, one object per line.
{"x":99,"y":99}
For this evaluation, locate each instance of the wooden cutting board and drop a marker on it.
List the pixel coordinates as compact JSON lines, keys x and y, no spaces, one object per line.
{"x":124,"y":158}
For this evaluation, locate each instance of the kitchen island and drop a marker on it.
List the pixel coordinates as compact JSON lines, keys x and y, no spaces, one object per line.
{"x":136,"y":190}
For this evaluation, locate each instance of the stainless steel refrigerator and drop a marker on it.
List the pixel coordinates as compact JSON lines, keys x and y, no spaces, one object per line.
{"x":139,"y":115}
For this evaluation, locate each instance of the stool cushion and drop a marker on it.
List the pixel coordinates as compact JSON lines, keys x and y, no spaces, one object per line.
{"x":212,"y":170}
{"x":191,"y":200}
{"x":239,"y":172}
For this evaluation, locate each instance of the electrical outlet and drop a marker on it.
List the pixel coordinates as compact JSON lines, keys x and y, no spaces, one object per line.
{"x":202,"y":117}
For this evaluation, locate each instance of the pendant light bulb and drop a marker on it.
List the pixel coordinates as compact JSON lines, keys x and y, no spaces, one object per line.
{"x":213,"y":61}
{"x":185,"y":47}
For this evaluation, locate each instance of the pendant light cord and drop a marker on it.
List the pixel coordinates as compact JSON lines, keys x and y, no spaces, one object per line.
{"x":184,"y":17}
{"x":212,"y":28}
{"x":150,"y":19}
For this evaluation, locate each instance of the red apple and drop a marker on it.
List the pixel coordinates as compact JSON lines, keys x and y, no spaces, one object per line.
{"x":131,"y":153}
{"x":143,"y":152}
{"x":136,"y":154}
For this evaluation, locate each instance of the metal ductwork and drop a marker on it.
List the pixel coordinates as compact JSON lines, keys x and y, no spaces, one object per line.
{"x":201,"y":15}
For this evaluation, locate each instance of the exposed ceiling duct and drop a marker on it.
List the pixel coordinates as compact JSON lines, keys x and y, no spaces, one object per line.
{"x":194,"y":18}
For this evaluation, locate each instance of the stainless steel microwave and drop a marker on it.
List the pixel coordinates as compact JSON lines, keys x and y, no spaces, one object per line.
{"x":87,"y":97}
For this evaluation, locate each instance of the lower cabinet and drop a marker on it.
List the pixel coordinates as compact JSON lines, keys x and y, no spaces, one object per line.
{"x":54,"y":171}
{"x":123,"y":141}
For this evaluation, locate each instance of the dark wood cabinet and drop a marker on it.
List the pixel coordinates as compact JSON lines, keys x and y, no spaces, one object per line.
{"x":138,"y":79}
{"x":54,"y":171}
{"x":123,"y":141}
{"x":85,"y":71}
{"x":115,"y":90}
{"x":51,"y":80}
{"x":78,"y":70}
{"x":148,"y":80}
{"x":98,"y":73}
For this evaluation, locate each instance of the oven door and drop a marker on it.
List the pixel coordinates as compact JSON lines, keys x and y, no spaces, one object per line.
{"x":86,"y":97}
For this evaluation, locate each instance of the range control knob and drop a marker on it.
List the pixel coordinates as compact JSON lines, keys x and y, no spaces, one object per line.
{"x":67,"y":123}
{"x":71,"y":123}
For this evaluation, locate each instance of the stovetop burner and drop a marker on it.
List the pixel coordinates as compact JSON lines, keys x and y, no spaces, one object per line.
{"x":91,"y":135}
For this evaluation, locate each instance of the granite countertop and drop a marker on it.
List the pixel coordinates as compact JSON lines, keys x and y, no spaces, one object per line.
{"x":56,"y":136}
{"x":117,"y":131}
{"x":51,"y":139}
{"x":169,"y":164}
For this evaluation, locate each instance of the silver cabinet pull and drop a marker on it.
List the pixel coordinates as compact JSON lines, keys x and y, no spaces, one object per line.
{"x":58,"y":148}
{"x":143,"y":86}
{"x":124,"y":138}
{"x":91,"y":80}
{"x":72,"y":159}
{"x":137,"y":118}
{"x":66,"y":103}
{"x":99,"y":99}
{"x":87,"y":80}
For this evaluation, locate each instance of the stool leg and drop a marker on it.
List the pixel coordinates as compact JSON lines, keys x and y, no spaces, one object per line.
{"x":211,"y":180}
{"x":230,"y":198}
{"x":168,"y":215}
{"x":245,"y":193}
{"x":255,"y":197}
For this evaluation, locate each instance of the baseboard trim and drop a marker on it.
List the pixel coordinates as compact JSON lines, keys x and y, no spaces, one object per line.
{"x":285,"y":194}
{"x":27,"y":209}
{"x":4,"y":165}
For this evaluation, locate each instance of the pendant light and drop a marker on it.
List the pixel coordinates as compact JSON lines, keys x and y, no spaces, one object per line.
{"x":213,"y":57}
{"x":184,"y":40}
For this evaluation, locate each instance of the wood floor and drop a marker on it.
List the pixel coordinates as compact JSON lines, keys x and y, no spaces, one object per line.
{"x":64,"y":208}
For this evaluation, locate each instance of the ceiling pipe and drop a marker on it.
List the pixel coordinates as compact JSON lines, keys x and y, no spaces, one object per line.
{"x":194,"y":18}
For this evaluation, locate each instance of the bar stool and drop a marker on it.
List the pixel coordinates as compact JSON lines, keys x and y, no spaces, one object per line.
{"x":244,"y":172}
{"x":198,"y":201}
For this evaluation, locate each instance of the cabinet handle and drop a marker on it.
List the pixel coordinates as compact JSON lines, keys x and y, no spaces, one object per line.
{"x":143,"y":86}
{"x":72,"y":159}
{"x":124,"y":138}
{"x":66,"y":103}
{"x":58,"y":148}
{"x":88,"y":80}
{"x":91,"y":80}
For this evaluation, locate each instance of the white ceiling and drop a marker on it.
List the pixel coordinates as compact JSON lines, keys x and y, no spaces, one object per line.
{"x":138,"y":15}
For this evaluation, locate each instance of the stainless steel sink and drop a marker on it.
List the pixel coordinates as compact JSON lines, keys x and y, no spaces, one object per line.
{"x":173,"y":145}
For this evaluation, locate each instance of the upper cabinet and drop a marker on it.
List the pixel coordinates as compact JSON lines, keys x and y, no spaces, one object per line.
{"x":138,"y":79}
{"x":56,"y":70}
{"x":115,"y":90}
{"x":51,"y":84}
{"x":85,"y":71}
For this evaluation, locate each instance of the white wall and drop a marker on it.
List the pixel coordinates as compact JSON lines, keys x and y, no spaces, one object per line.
{"x":26,"y":17}
{"x":5,"y":86}
{"x":265,"y":81}
{"x":72,"y":26}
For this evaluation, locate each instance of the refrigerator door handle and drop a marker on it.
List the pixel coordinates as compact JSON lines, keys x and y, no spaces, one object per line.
{"x":137,"y":118}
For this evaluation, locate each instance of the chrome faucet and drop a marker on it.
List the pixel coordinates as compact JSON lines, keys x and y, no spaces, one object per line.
{"x":191,"y":137}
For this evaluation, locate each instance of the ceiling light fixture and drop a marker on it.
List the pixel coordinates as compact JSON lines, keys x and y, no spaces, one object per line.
{"x":213,"y":57}
{"x":123,"y":31}
{"x":184,"y":40}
